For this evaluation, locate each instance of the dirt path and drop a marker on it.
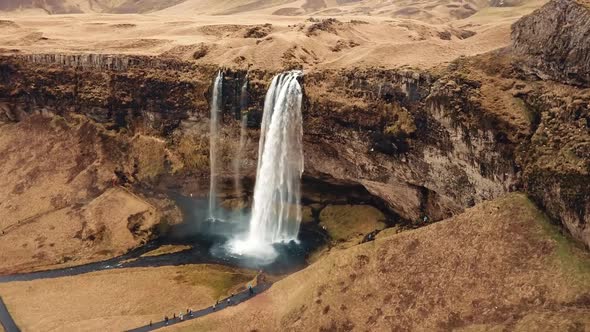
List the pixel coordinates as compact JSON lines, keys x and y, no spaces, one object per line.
{"x":223,"y":304}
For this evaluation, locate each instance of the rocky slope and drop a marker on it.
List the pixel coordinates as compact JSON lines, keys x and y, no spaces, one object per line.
{"x":552,"y":44}
{"x":59,"y":206}
{"x":554,"y":41}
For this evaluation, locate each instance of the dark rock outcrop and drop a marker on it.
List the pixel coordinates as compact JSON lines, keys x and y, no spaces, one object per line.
{"x":554,"y":41}
{"x":553,"y":44}
{"x":556,"y":160}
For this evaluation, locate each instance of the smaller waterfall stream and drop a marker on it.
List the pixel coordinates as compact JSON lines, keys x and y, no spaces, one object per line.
{"x":216,"y":100}
{"x":239,"y":156}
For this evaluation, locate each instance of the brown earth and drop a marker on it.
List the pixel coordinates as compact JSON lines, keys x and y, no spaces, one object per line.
{"x":435,"y":11}
{"x":366,"y":34}
{"x":499,"y":265}
{"x":60,"y":207}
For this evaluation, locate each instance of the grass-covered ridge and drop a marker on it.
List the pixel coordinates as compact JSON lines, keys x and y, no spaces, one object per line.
{"x":492,"y":267}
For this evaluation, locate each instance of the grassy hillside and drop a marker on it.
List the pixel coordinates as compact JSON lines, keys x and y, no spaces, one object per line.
{"x":498,"y":265}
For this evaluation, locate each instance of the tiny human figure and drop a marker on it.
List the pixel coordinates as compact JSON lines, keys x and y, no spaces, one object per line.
{"x":250,"y":289}
{"x":180,"y":316}
{"x":190,"y":312}
{"x":174,"y":316}
{"x":150,"y":323}
{"x":228,"y":301}
{"x":214,"y":306}
{"x":166,"y":320}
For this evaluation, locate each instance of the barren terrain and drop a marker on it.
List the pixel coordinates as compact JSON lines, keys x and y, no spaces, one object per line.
{"x":372,"y":34}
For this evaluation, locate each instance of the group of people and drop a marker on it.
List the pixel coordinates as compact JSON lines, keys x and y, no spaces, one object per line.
{"x":181,"y":316}
{"x":189,"y":312}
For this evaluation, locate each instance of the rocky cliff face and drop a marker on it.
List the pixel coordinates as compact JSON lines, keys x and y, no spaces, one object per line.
{"x":557,"y":157}
{"x":420,"y":143}
{"x":554,"y":41}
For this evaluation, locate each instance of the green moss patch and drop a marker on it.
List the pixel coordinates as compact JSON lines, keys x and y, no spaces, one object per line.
{"x":165,"y":249}
{"x":221,"y":279}
{"x":344,"y":222}
{"x":573,"y":259}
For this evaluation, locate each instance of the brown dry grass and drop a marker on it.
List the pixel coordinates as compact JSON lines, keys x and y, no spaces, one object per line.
{"x":117,"y":299}
{"x":150,"y":154}
{"x":57,"y":206}
{"x":498,"y":87}
{"x":496,"y":266}
{"x":72,"y":236}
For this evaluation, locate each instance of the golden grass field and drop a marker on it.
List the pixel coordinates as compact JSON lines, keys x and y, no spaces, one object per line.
{"x":118,"y":299}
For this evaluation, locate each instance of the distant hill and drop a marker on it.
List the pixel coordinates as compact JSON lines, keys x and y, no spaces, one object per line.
{"x":87,"y":6}
{"x":428,"y":10}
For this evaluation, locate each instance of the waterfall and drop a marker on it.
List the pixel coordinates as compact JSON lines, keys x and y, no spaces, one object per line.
{"x":239,"y":156}
{"x":237,"y":163}
{"x":244,"y":96}
{"x":216,"y":100}
{"x":276,"y":212}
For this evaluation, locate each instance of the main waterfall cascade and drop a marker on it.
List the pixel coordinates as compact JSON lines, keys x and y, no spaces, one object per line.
{"x":276,"y":212}
{"x":216,"y":100}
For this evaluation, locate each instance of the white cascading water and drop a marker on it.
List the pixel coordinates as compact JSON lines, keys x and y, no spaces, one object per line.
{"x":239,"y":156}
{"x":276,"y":212}
{"x":213,"y":141}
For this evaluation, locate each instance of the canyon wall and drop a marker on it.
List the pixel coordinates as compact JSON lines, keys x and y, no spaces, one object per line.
{"x":414,"y":140}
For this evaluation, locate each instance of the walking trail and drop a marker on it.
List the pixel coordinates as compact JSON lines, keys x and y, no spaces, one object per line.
{"x":235,"y":300}
{"x":6,"y":319}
